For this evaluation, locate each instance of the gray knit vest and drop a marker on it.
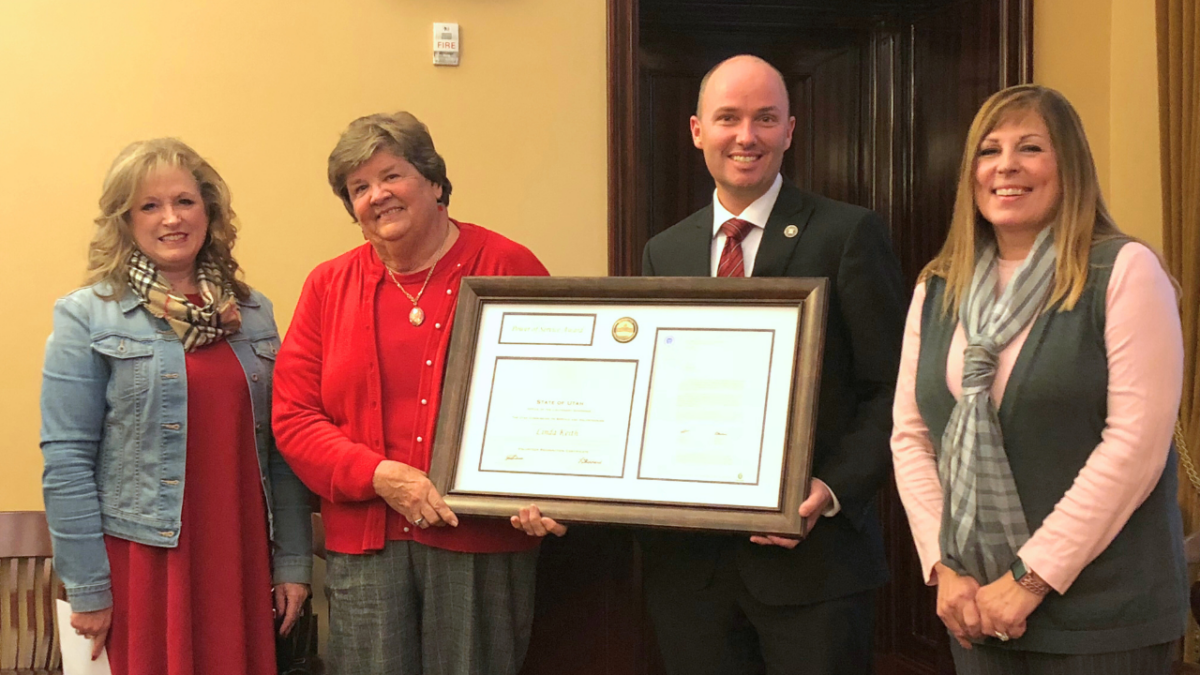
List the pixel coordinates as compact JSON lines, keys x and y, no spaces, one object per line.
{"x":1053,"y":412}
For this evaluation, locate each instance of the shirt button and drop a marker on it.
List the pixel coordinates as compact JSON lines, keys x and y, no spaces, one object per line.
{"x":254,"y":377}
{"x":429,"y":363}
{"x":424,"y":402}
{"x":168,"y":534}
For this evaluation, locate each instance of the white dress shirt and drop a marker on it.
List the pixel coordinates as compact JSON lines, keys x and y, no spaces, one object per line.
{"x":756,"y":214}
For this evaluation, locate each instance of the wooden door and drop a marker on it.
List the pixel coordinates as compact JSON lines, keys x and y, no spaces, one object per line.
{"x":883,"y":92}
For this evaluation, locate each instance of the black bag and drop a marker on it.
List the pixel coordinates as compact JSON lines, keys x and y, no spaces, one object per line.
{"x":296,"y":652}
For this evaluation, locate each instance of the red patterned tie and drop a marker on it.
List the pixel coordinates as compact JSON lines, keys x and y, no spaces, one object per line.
{"x":735,"y":230}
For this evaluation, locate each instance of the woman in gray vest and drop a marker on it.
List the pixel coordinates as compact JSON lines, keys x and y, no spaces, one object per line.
{"x":1038,"y":389}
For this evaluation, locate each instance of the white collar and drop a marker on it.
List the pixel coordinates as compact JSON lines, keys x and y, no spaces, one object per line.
{"x":757,"y":213}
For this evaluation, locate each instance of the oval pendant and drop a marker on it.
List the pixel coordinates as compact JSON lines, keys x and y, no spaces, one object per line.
{"x":417,"y":316}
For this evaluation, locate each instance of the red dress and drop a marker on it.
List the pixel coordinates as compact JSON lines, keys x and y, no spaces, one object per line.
{"x":205,"y":606}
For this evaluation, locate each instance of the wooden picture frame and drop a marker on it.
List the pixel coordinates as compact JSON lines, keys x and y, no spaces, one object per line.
{"x":766,"y":500}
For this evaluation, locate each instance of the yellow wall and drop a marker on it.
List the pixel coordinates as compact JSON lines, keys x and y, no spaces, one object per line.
{"x":263,"y":88}
{"x":1102,"y":55}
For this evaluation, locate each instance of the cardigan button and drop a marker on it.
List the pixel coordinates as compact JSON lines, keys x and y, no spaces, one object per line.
{"x":429,"y":363}
{"x":419,"y":439}
{"x":437,"y":325}
{"x":424,"y":402}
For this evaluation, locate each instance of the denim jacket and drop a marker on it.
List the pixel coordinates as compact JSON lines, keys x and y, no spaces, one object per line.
{"x":114,"y":433}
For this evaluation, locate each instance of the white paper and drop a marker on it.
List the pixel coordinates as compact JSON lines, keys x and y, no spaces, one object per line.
{"x":76,"y":649}
{"x":559,"y":416}
{"x":766,"y":359}
{"x":547,"y":329}
{"x":708,"y":397}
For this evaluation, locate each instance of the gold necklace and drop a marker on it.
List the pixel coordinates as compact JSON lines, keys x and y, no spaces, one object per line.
{"x":417,"y":316}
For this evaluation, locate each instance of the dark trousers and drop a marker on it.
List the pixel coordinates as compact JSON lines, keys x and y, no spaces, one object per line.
{"x":986,"y":660}
{"x":722,"y":629}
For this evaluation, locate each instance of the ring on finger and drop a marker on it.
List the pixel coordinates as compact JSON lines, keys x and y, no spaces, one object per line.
{"x":1002,"y":636}
{"x":419,"y":522}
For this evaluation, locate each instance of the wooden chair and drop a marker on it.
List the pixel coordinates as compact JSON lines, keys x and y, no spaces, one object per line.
{"x":28,"y":589}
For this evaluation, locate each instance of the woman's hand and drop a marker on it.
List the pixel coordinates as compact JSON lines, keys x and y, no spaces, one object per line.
{"x":1004,"y":605}
{"x":93,"y":625}
{"x":534,"y":524}
{"x":956,"y":605}
{"x":289,"y":600}
{"x":409,"y":492}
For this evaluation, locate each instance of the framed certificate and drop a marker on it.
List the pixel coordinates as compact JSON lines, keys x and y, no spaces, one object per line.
{"x":661,"y":401}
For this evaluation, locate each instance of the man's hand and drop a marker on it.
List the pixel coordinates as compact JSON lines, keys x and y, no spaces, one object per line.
{"x":819,"y":500}
{"x":93,"y":625}
{"x":1004,"y":605}
{"x":409,"y":492}
{"x":533,"y":523}
{"x":956,"y":598}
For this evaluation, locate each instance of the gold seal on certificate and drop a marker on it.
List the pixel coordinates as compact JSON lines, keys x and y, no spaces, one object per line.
{"x":624,"y":330}
{"x":647,"y":428}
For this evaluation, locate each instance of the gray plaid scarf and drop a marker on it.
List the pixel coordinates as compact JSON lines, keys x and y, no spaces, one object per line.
{"x":986,"y":524}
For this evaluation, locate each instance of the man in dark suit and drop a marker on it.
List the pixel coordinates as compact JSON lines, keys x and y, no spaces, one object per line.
{"x":734,"y":605}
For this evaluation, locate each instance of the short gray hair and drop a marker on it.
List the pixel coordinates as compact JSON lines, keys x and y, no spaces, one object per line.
{"x":401,"y":134}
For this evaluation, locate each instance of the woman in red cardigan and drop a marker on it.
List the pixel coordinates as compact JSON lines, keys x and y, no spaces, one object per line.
{"x":412,"y":588}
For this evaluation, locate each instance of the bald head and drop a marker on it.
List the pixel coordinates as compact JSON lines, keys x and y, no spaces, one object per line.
{"x":743,"y":126}
{"x":735,"y":68}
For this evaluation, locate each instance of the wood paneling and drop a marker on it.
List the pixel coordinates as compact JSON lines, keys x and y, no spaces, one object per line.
{"x":589,"y":615}
{"x":883,"y":92}
{"x":625,"y":237}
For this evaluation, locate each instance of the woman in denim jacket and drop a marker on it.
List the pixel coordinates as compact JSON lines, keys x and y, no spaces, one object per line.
{"x":158,"y":378}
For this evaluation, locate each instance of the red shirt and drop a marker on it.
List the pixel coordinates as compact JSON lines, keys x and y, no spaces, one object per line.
{"x":356,"y":383}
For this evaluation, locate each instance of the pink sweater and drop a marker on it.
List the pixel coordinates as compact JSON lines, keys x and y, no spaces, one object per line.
{"x":1144,"y":344}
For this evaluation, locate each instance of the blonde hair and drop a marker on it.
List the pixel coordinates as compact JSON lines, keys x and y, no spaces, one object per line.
{"x":1080,"y":219}
{"x":109,"y":251}
{"x":401,"y":134}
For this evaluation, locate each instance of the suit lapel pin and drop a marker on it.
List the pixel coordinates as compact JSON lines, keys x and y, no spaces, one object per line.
{"x":791,"y":231}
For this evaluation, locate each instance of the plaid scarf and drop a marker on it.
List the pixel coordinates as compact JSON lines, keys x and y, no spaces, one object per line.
{"x":195,"y":326}
{"x":986,"y":524}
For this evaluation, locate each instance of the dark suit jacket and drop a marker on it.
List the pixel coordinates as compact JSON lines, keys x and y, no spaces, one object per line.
{"x":850,"y":246}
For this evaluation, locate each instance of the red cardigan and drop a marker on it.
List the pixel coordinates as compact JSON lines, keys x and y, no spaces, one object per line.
{"x":327,"y":414}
